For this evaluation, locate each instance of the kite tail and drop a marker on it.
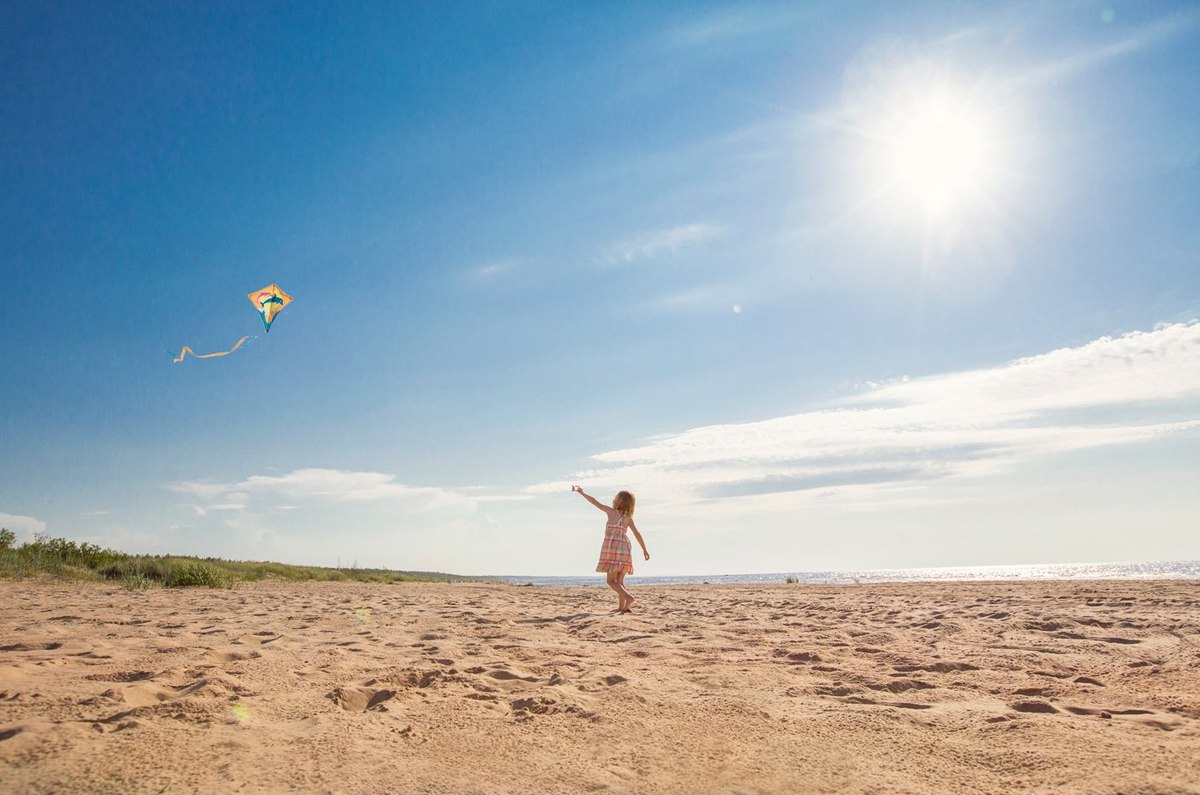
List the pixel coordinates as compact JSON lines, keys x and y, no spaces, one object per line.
{"x":186,"y":350}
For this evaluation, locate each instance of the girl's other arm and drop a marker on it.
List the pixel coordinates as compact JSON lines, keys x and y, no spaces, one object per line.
{"x":638,"y":536}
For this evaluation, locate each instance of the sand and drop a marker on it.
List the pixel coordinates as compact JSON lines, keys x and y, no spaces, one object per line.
{"x":1089,"y":687}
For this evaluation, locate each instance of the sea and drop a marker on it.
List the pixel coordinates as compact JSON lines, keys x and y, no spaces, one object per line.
{"x":1163,"y":570}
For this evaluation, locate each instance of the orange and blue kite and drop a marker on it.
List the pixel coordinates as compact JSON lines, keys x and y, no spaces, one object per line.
{"x":269,"y":301}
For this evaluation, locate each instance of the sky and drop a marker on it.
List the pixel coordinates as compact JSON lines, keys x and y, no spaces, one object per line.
{"x":826,"y":285}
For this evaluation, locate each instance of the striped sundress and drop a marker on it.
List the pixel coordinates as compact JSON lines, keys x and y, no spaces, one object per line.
{"x":616,"y":553}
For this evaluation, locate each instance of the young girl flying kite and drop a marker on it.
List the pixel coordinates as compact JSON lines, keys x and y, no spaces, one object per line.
{"x":616,"y":558}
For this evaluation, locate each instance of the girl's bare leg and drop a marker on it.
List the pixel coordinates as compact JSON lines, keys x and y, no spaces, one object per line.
{"x":627,"y":599}
{"x":614,"y":582}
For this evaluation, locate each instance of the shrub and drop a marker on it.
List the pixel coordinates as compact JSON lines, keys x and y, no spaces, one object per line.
{"x":83,"y":555}
{"x":7,"y":538}
{"x":147,"y":567}
{"x":14,"y":566}
{"x":139,"y":582}
{"x":187,"y":573}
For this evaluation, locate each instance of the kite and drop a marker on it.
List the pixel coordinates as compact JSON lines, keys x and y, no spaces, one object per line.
{"x":186,"y":350}
{"x":269,"y":301}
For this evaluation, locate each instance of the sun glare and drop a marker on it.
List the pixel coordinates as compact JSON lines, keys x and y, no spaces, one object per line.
{"x":939,"y":156}
{"x":935,"y":152}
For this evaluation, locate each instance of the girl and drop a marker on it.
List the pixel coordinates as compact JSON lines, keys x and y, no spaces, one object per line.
{"x":615,"y":557}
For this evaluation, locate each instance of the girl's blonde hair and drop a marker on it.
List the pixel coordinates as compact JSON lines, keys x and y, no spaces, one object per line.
{"x":624,"y":502}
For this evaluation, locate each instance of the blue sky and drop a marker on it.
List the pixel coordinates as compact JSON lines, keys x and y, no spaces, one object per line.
{"x":827,"y":285}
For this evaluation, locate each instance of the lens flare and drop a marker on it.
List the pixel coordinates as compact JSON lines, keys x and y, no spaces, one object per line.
{"x":239,"y":713}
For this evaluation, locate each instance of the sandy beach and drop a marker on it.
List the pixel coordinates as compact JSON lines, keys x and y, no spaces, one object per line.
{"x":1088,"y":687}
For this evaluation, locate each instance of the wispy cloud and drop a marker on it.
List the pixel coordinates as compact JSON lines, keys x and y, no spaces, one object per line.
{"x":703,"y":297}
{"x":1083,"y":59}
{"x":907,"y":434}
{"x":321,"y":485}
{"x":492,"y":269}
{"x":730,"y":23}
{"x":662,"y":242}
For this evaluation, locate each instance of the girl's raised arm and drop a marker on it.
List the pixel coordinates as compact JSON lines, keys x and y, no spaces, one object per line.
{"x":591,"y":499}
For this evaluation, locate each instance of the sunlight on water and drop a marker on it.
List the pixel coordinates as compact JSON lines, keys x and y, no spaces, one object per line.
{"x":1173,"y":570}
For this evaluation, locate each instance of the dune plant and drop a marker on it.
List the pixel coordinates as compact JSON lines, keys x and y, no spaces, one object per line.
{"x":62,"y":558}
{"x":185,"y":573}
{"x":138,"y":582}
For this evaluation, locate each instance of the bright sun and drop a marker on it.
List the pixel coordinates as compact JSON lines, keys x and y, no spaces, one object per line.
{"x":935,"y":155}
{"x":940,"y":155}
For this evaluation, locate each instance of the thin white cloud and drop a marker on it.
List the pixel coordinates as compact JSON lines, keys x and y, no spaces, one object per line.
{"x":1140,"y":366}
{"x":478,"y":497}
{"x":205,"y":490}
{"x":907,"y":434}
{"x":697,"y":297}
{"x":492,"y":269}
{"x":1082,"y":60}
{"x":662,"y":242}
{"x":729,"y":24}
{"x":321,"y":485}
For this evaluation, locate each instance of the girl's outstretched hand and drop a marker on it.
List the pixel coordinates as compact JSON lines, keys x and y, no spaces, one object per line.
{"x":577,"y":488}
{"x":647,"y":554}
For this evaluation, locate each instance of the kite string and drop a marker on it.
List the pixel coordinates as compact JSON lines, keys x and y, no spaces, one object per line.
{"x":186,"y":350}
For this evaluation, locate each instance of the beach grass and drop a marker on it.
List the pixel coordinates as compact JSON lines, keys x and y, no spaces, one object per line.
{"x":64,"y":559}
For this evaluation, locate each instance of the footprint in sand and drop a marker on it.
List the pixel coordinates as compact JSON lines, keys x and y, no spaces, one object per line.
{"x":361,"y":698}
{"x":524,"y":709}
{"x":937,"y":667}
{"x":900,"y":685}
{"x":121,"y":676}
{"x":31,"y":647}
{"x":900,"y":704}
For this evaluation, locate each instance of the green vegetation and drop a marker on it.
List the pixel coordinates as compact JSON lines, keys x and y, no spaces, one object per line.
{"x":58,"y":558}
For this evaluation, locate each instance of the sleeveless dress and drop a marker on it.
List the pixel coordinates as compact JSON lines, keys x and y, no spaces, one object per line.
{"x":616,"y":552}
